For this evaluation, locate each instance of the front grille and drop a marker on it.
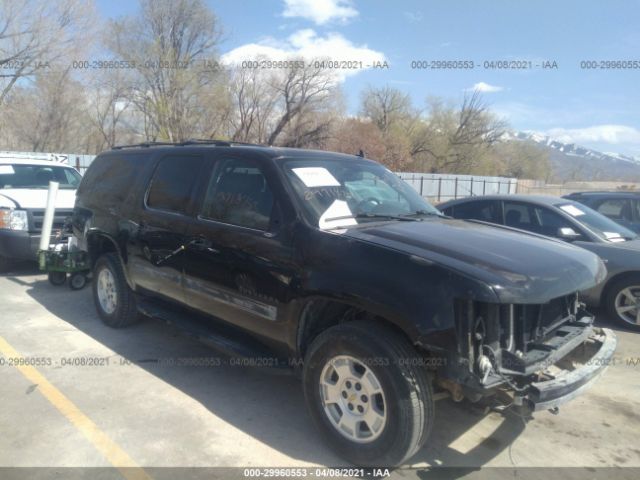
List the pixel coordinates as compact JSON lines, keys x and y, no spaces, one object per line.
{"x":37,"y":217}
{"x":534,"y":323}
{"x":514,"y":336}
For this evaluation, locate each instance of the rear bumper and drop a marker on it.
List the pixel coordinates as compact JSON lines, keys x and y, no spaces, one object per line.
{"x":19,"y":245}
{"x":574,"y":373}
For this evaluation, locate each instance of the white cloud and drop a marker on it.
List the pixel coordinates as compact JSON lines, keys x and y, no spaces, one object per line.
{"x":309,"y":45}
{"x":484,"y":88}
{"x":320,"y":11}
{"x":611,"y":134}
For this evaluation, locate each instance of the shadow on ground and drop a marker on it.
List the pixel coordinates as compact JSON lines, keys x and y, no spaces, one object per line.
{"x":268,"y":407}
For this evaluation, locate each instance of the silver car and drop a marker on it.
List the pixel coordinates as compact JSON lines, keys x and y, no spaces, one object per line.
{"x":573,"y":222}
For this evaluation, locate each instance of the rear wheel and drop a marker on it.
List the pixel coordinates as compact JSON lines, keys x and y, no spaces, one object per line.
{"x":623,"y":302}
{"x":367,"y":394}
{"x":114,"y":300}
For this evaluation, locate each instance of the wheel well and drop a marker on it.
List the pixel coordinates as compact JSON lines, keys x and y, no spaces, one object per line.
{"x":614,"y":279}
{"x":320,"y":314}
{"x":98,"y":244}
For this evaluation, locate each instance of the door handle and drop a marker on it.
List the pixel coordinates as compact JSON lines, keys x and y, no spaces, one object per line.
{"x":201,"y":243}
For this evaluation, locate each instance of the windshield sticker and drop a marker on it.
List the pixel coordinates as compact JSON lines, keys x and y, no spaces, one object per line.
{"x":336,"y":212}
{"x":572,"y":210}
{"x":6,"y":170}
{"x":316,"y":177}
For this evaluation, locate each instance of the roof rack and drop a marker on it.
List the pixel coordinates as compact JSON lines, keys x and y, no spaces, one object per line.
{"x":185,"y":143}
{"x":221,"y":143}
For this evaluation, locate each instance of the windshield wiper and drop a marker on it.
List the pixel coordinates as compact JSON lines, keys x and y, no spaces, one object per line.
{"x":423,"y":212}
{"x":374,"y":215}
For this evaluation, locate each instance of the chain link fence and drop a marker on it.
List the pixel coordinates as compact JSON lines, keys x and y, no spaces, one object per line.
{"x":442,"y":187}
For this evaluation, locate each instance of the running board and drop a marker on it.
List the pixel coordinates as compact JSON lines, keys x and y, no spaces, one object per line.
{"x":240,"y":348}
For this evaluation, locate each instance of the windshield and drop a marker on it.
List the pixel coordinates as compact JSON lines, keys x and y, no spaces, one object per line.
{"x":604,"y":227}
{"x":37,"y":176}
{"x":337,"y":193}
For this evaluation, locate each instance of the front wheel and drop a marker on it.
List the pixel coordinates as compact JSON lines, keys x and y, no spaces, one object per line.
{"x":623,"y":302}
{"x":367,"y":394}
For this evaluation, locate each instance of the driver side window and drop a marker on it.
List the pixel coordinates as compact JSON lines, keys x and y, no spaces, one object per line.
{"x":239,"y":194}
{"x":551,"y":223}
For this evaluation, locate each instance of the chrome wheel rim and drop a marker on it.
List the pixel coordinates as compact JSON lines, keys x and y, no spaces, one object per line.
{"x":627,"y":304}
{"x":107,"y":293}
{"x":353,"y":399}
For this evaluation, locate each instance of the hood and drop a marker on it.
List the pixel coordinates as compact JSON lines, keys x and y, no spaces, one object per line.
{"x":35,"y":198}
{"x":628,"y":245}
{"x":521,"y":268}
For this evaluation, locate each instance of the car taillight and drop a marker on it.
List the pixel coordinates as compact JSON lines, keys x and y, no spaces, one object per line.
{"x":11,"y":219}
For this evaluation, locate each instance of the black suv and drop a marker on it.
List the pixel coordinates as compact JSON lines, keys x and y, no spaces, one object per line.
{"x":621,"y":207}
{"x":331,"y":265}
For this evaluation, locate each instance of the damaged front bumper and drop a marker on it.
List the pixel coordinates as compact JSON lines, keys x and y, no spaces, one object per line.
{"x":573,"y":374}
{"x":533,"y":357}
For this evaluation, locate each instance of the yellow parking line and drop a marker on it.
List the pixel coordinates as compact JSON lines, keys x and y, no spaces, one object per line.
{"x":113,"y":453}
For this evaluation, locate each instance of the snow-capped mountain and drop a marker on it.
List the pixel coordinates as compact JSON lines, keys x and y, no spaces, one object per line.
{"x":575,"y":162}
{"x":571,"y":148}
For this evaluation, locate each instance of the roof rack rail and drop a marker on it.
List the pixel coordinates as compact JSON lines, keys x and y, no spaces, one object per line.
{"x":184,"y":143}
{"x":204,"y":141}
{"x":142,"y":145}
{"x":222,"y":143}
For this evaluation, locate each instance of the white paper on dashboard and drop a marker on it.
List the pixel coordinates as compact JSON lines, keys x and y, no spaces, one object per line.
{"x":338,"y":208}
{"x":316,"y":177}
{"x":6,"y":170}
{"x":572,"y":210}
{"x":613,"y":237}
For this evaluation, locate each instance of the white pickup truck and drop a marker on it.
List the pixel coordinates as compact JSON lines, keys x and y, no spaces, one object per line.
{"x":24,"y":183}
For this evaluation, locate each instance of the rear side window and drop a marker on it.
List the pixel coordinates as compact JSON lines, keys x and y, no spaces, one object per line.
{"x":517,"y":215}
{"x":173,"y":182}
{"x":618,"y":209}
{"x":109,"y":178}
{"x":486,"y":211}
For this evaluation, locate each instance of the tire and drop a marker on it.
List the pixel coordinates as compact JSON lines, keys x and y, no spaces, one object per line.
{"x":114,"y":300}
{"x":406,"y":398}
{"x":77,"y":281}
{"x":620,"y":298}
{"x":57,"y":278}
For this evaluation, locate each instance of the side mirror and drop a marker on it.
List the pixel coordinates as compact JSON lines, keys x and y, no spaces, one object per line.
{"x":568,"y":234}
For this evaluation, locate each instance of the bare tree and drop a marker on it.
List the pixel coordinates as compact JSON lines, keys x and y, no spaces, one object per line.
{"x":172,"y":45}
{"x":48,"y":115}
{"x":292,"y":106}
{"x":455,"y":140}
{"x":301,"y":87}
{"x":387,"y":107}
{"x":253,"y":102}
{"x":110,"y":99}
{"x":353,"y":135}
{"x":37,"y":35}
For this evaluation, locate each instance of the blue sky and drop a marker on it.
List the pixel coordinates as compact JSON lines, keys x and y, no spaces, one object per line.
{"x":594,"y":108}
